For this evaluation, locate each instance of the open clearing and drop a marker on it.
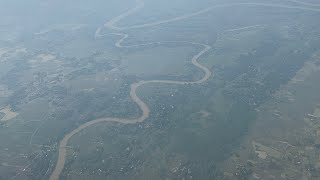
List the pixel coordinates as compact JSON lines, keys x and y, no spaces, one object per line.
{"x":8,"y":114}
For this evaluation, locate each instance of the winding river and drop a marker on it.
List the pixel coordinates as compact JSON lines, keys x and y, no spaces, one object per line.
{"x":133,"y":91}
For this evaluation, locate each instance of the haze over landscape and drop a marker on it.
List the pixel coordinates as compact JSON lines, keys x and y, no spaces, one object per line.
{"x":171,"y":89}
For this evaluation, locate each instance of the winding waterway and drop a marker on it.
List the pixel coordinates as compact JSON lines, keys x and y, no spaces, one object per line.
{"x":133,"y":91}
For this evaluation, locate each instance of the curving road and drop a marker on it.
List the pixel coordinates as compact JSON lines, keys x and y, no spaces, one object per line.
{"x":133,"y":91}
